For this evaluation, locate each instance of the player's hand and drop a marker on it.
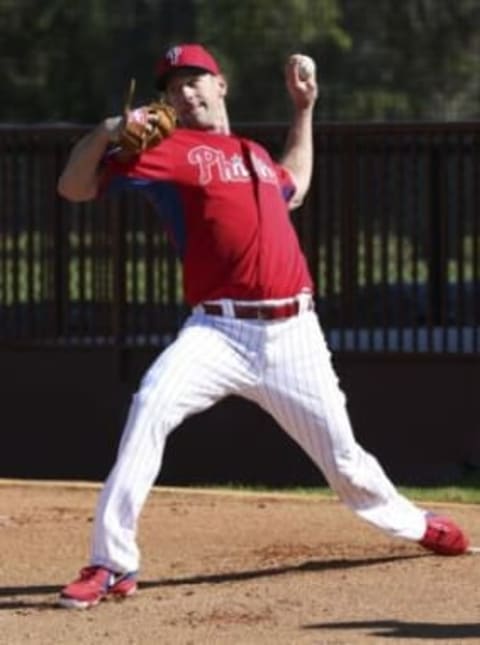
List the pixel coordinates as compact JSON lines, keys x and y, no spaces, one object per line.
{"x":113,"y":127}
{"x":303,"y":89}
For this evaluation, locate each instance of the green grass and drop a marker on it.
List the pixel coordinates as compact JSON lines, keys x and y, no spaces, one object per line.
{"x":457,"y":494}
{"x":463,"y":491}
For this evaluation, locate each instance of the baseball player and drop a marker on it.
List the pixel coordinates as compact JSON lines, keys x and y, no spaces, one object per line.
{"x":252,"y":331}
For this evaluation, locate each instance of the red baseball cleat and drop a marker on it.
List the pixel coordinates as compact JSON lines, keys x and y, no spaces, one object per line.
{"x":443,"y":536}
{"x":94,"y":585}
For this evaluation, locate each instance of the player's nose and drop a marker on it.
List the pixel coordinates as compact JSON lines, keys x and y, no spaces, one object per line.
{"x":186,"y":91}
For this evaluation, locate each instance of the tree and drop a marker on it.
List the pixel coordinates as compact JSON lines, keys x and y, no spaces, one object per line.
{"x":415,"y":59}
{"x":253,"y":39}
{"x":388,"y":60}
{"x":50,"y":58}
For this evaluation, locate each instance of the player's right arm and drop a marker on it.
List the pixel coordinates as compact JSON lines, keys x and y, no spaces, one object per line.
{"x":79,"y":181}
{"x":298,"y":154}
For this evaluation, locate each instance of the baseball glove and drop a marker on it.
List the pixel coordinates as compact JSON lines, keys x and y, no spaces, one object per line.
{"x":144,"y":127}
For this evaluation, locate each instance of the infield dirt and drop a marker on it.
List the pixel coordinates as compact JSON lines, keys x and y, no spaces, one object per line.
{"x":233,"y":569}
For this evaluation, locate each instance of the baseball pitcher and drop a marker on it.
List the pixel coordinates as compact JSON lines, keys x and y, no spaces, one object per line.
{"x":253,"y":331}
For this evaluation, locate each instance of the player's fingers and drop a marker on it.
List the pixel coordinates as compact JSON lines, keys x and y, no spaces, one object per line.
{"x":152,"y":120}
{"x":150,"y":127}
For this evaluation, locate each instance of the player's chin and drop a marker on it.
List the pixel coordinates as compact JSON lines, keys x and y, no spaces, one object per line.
{"x":196,"y":121}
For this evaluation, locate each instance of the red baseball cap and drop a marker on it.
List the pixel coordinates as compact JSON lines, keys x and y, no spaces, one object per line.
{"x":187,"y":55}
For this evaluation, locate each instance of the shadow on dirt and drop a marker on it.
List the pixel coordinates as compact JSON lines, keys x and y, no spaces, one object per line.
{"x":10,"y":593}
{"x":311,"y":565}
{"x":399,"y":629}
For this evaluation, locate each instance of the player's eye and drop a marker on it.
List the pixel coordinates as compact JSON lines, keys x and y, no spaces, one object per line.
{"x":193,"y":81}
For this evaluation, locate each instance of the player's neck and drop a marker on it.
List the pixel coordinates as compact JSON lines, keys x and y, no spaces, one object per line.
{"x":223,"y":128}
{"x":222,"y":122}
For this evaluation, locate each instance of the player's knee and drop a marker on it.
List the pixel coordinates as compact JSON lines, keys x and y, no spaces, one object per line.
{"x":355,"y":468}
{"x":161,"y":412}
{"x":345,"y":465}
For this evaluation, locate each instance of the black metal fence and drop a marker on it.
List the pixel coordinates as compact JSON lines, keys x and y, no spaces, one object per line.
{"x":390,"y":229}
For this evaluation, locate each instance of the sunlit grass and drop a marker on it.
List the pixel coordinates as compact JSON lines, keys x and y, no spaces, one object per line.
{"x":464,"y":491}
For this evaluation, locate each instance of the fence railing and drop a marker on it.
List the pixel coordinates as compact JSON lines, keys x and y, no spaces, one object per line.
{"x":390,"y":230}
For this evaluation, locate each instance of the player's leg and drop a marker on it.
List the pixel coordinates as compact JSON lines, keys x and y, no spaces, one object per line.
{"x":198,"y":369}
{"x":301,"y":391}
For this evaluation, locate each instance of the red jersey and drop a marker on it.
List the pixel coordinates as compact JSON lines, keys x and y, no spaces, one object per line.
{"x":223,"y":202}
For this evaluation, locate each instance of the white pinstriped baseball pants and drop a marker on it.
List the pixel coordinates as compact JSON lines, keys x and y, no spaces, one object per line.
{"x":284,"y":367}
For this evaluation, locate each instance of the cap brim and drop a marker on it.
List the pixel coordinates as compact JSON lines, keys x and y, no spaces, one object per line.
{"x":161,"y":81}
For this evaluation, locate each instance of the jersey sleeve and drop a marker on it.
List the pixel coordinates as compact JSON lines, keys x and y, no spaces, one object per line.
{"x":116,"y":173}
{"x":107,"y":170}
{"x":288,"y":187}
{"x":119,"y":172}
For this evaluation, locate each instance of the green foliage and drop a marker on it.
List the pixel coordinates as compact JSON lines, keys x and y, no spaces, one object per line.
{"x":260,"y":37}
{"x":415,"y":59}
{"x":47,"y":49}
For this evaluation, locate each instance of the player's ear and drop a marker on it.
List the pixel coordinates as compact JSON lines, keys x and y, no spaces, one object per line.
{"x":223,"y":85}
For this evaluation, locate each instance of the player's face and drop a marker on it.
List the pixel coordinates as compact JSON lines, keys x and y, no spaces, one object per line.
{"x":198,"y":99}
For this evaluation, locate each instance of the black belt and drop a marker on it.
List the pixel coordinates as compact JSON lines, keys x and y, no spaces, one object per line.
{"x":257,"y":312}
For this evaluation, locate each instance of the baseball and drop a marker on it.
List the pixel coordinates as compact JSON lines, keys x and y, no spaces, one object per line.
{"x":306,"y":67}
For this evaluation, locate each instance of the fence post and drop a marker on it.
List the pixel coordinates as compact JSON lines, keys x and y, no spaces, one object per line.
{"x":117,"y":218}
{"x":436,"y":223}
{"x":348,"y":251}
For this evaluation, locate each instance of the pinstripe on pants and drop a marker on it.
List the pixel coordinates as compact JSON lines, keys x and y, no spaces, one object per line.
{"x":283,"y":366}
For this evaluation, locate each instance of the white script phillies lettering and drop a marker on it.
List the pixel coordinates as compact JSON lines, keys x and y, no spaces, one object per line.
{"x":211,"y":160}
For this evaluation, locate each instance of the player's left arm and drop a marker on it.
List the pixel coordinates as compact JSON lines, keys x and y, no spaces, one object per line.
{"x":298,"y":153}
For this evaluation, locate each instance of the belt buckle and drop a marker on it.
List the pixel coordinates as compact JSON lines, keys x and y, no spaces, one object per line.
{"x":262,"y":313}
